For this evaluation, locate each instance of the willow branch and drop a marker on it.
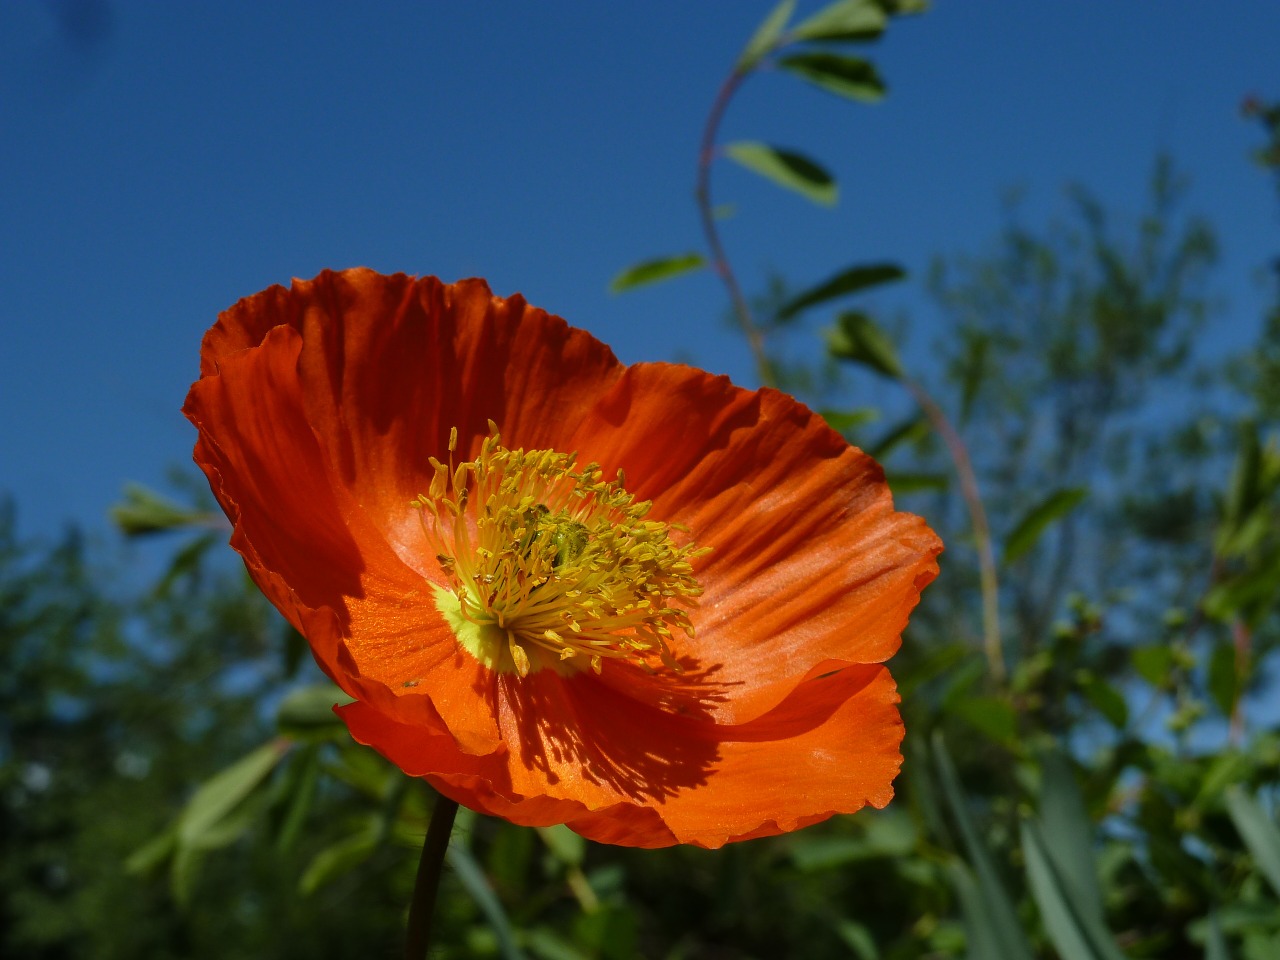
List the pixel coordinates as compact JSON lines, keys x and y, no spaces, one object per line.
{"x":719,"y":260}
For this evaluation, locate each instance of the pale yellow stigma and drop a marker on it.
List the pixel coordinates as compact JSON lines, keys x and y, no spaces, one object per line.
{"x":550,"y":565}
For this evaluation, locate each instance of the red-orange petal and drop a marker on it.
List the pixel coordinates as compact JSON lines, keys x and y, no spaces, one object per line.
{"x":832,"y":750}
{"x":809,"y":561}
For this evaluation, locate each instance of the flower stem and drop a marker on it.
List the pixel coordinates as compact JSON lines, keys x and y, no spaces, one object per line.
{"x":981,"y":530}
{"x":719,"y":260}
{"x":422,"y":906}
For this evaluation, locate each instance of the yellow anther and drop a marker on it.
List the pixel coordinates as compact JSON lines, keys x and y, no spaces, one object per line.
{"x":556,"y":558}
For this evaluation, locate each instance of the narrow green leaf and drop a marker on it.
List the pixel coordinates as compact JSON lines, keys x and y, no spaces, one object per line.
{"x":1069,"y":833}
{"x":1106,"y":699}
{"x":982,"y":930}
{"x":974,"y":366}
{"x":183,"y":870}
{"x":842,"y":421}
{"x":1243,"y":492}
{"x":477,"y":885}
{"x":341,"y":857}
{"x":843,"y":284}
{"x":843,"y":20}
{"x":850,"y":77}
{"x":1215,"y":942}
{"x":857,"y":338}
{"x":1154,"y":664}
{"x":307,"y":712}
{"x":656,"y":270}
{"x":143,"y":512}
{"x":992,"y":716}
{"x":1226,"y":769}
{"x":786,"y":168}
{"x":545,"y":944}
{"x":912,"y":430}
{"x":1038,"y":519}
{"x":857,"y":937}
{"x":1222,"y":681}
{"x":1259,"y":833}
{"x":218,"y":797}
{"x":1002,"y":935}
{"x":301,"y":794}
{"x":915,"y":482}
{"x":152,"y":853}
{"x":1075,"y":934}
{"x":766,"y":35}
{"x":565,"y":845}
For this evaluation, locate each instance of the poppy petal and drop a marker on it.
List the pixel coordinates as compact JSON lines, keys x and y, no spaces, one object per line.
{"x":833,"y":750}
{"x":776,"y":495}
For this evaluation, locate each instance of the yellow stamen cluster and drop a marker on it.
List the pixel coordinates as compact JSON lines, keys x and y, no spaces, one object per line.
{"x":557,"y":559}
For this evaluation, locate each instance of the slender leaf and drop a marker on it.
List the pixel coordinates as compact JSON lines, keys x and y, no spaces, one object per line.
{"x":766,"y":35}
{"x":152,"y":853}
{"x":302,"y":791}
{"x":1223,"y":683}
{"x":843,"y":20}
{"x":1106,"y":699}
{"x":1038,"y":519}
{"x":1258,"y":830}
{"x":655,"y":271}
{"x":307,"y":712}
{"x":786,"y":168}
{"x":842,"y":421}
{"x":857,"y":338}
{"x":565,"y":845}
{"x":992,"y":716}
{"x":1075,"y":932}
{"x":850,"y":77}
{"x":857,"y":937}
{"x":912,"y":430}
{"x":974,"y":370}
{"x":143,"y":512}
{"x":1003,"y":937}
{"x":983,"y":930}
{"x":843,"y":284}
{"x":219,"y":796}
{"x":477,"y":885}
{"x":1215,"y":941}
{"x":1069,"y":833}
{"x":341,"y":857}
{"x":915,"y":482}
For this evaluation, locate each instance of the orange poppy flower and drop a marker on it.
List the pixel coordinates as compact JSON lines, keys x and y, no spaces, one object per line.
{"x":639,"y":600}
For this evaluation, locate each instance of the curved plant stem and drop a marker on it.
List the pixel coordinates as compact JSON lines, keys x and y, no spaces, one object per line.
{"x":422,"y":906}
{"x":991,"y":643}
{"x":706,"y":155}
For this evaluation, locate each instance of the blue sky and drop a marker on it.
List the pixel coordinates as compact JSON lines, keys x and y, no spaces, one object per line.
{"x":161,"y":160}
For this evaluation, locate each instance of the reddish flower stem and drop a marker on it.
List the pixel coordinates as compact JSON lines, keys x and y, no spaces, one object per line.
{"x":719,"y":260}
{"x":981,"y":529}
{"x":1242,"y":641}
{"x":427,"y":883}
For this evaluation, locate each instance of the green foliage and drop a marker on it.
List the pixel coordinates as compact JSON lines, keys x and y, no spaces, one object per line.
{"x":856,"y":338}
{"x":845,"y":283}
{"x":1027,"y":530}
{"x":656,"y":270}
{"x":844,"y":76}
{"x":787,"y":168}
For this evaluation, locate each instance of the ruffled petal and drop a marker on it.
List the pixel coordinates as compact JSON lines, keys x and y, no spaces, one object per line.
{"x":809,"y":561}
{"x":652,"y":781}
{"x":371,"y":621}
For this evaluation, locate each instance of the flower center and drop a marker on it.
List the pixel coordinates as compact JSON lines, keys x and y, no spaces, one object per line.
{"x":551,"y":565}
